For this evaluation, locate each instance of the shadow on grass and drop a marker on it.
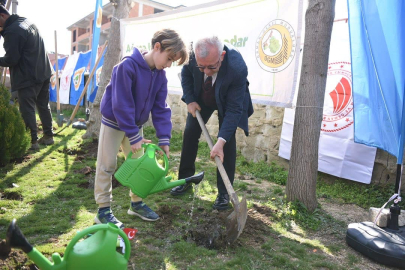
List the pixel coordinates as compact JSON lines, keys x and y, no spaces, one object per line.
{"x":56,"y":202}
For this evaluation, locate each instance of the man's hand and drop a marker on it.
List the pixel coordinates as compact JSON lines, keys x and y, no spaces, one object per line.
{"x":192,"y":107}
{"x":218,"y":150}
{"x":138,"y":146}
{"x":166,"y":149}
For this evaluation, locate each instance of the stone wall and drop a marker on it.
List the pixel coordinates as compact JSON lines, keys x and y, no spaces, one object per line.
{"x":263,"y":141}
{"x":264,"y":130}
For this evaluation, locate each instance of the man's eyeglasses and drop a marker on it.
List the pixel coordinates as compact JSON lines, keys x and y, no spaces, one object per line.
{"x":209,"y":67}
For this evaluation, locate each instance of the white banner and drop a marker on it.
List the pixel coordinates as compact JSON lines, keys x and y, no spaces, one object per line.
{"x":66,"y":77}
{"x":266,"y":33}
{"x":339,"y":155}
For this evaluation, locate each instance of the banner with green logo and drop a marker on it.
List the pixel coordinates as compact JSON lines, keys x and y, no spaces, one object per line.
{"x":266,"y":32}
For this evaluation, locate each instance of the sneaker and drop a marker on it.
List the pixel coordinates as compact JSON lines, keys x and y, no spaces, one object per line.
{"x":105,"y":216}
{"x":141,"y":210}
{"x":47,"y":140}
{"x":34,"y":146}
{"x":221,"y":202}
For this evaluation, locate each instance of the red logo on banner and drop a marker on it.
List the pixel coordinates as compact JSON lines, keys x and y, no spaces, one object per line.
{"x":338,"y":104}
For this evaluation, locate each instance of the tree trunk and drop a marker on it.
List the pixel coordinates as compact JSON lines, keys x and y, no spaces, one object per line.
{"x":301,"y":182}
{"x":112,"y":57}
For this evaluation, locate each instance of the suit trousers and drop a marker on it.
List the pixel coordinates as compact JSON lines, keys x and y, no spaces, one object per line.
{"x":191,"y":136}
{"x":109,"y":144}
{"x":29,"y":97}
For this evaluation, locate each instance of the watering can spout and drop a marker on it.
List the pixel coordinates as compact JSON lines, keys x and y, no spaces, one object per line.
{"x":16,"y":239}
{"x":93,"y":253}
{"x":163,"y":185}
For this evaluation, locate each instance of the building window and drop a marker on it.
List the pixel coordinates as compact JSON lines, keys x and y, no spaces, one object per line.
{"x":157,"y":10}
{"x":74,"y":35}
{"x":74,"y":48}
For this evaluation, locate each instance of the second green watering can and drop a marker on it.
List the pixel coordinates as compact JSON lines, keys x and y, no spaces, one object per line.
{"x":145,"y":176}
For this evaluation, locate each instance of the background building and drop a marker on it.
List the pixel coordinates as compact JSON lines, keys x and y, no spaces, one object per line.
{"x":82,"y":30}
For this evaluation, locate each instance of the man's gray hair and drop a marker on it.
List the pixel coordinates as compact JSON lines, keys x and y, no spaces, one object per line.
{"x":201,"y":47}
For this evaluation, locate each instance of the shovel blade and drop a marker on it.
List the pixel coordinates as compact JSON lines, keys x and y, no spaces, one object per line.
{"x":59,"y":118}
{"x":235,"y":222}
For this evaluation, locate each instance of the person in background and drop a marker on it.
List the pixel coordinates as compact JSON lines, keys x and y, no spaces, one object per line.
{"x":30,"y":71}
{"x":138,"y":87}
{"x":215,"y":79}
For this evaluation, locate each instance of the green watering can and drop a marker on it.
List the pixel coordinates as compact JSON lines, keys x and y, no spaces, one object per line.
{"x":145,"y":176}
{"x":93,"y":253}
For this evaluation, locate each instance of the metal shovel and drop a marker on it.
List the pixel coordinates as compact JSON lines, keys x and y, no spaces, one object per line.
{"x":59,"y":116}
{"x":236,"y":221}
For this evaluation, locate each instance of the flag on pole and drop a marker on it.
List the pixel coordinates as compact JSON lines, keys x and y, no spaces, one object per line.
{"x":338,"y":154}
{"x":377,"y":40}
{"x":52,"y":85}
{"x":65,"y":78}
{"x":77,"y":82}
{"x":98,"y":16}
{"x":96,"y":76}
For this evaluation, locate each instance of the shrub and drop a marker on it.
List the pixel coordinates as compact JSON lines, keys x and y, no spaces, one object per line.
{"x":14,"y":139}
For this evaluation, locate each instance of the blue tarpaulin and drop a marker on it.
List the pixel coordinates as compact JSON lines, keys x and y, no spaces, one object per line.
{"x":52,"y":85}
{"x":77,"y":83}
{"x":377,"y":40}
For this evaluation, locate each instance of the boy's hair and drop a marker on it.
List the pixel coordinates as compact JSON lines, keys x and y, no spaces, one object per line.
{"x":171,"y":41}
{"x":3,"y":10}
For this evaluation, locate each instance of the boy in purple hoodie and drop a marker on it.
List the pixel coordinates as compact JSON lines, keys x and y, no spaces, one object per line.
{"x":137,"y":88}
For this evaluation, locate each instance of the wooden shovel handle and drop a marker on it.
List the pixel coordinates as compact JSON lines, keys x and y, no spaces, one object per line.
{"x":87,"y":84}
{"x":220,"y":166}
{"x":57,"y":74}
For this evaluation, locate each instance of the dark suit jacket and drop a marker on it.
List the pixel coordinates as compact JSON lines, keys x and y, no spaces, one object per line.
{"x":231,"y":91}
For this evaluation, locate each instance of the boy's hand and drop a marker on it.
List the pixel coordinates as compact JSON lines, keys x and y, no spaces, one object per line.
{"x":138,"y":146}
{"x":166,"y":149}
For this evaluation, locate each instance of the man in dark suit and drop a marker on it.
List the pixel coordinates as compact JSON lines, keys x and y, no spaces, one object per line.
{"x":214,"y":79}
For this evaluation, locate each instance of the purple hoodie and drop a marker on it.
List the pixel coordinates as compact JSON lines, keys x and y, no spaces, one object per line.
{"x":133,"y":92}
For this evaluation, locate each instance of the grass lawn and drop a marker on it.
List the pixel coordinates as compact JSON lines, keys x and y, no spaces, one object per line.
{"x":50,"y":195}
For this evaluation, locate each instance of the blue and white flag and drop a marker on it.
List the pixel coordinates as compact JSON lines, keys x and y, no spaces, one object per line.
{"x":98,"y":16}
{"x":377,"y":39}
{"x":77,"y":83}
{"x":52,"y":85}
{"x":96,"y":77}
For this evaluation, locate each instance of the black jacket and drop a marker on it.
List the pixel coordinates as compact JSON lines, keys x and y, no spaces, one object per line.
{"x":231,"y":91}
{"x":25,"y":53}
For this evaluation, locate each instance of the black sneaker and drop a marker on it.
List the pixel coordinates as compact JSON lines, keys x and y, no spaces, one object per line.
{"x":221,"y":202}
{"x":105,"y":216}
{"x":180,"y":190}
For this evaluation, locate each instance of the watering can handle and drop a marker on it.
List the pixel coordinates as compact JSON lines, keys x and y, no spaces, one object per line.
{"x":157,"y":148}
{"x":99,"y":227}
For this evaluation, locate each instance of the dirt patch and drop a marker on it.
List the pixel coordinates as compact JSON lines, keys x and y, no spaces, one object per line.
{"x":12,"y":195}
{"x":90,"y":149}
{"x":22,"y":159}
{"x":208,"y":228}
{"x":13,"y":259}
{"x":348,"y":213}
